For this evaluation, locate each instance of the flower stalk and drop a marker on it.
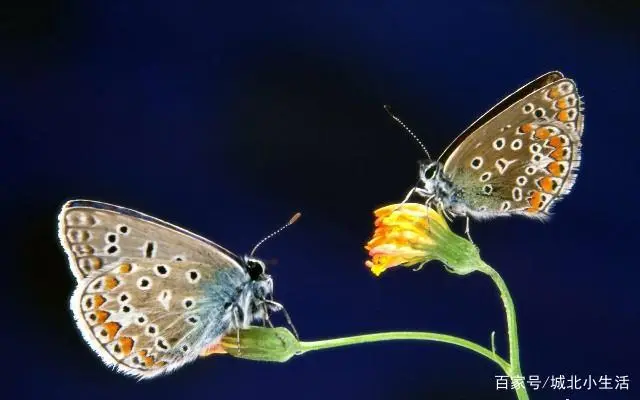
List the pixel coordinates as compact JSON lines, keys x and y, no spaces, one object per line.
{"x":280,"y":345}
{"x":413,"y":234}
{"x":406,"y":235}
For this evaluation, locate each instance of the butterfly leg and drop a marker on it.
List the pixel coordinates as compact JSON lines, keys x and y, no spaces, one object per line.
{"x":266,"y":320}
{"x":286,"y":315}
{"x":427,"y":203}
{"x":467,"y":231}
{"x":443,"y":211}
{"x":237,"y":324}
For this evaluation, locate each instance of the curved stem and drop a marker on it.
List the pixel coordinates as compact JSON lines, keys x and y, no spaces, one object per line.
{"x":385,"y":336}
{"x":512,"y":326}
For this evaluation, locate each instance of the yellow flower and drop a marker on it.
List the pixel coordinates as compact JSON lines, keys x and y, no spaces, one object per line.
{"x":413,"y":234}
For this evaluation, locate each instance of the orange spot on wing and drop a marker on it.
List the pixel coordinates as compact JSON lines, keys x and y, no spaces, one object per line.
{"x":98,"y":301}
{"x":543,"y":133}
{"x":124,"y":268}
{"x":126,"y":344}
{"x":554,"y":168}
{"x":554,"y":93}
{"x":555,"y":141}
{"x":535,"y":202}
{"x":110,"y":282}
{"x":563,"y":116}
{"x":557,"y":154}
{"x":526,"y":128}
{"x":562,"y":104}
{"x":148,"y":361}
{"x":112,"y":329}
{"x":160,"y":364}
{"x":546,"y":183}
{"x":102,"y":316}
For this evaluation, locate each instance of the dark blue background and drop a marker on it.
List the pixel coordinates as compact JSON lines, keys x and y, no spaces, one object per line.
{"x":228,"y":119}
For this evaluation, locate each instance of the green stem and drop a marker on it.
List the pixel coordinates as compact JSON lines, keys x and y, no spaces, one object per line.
{"x":512,"y":326}
{"x":426,"y":336}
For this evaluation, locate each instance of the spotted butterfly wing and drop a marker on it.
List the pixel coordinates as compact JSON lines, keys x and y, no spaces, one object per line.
{"x":158,"y":299}
{"x":522,"y":155}
{"x":95,"y":234}
{"x":148,"y":317}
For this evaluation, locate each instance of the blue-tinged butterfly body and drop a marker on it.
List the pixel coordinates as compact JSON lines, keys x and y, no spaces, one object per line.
{"x":519,"y":158}
{"x":152,"y":296}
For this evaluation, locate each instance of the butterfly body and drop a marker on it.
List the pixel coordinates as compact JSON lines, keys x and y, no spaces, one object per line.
{"x":518,"y":159}
{"x":152,"y":297}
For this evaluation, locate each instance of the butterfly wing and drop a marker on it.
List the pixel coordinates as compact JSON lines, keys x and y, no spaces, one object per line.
{"x":147,"y":317}
{"x":521,"y":156}
{"x":95,"y":234}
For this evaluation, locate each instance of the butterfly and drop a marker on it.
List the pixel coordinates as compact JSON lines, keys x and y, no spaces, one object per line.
{"x":519,"y":158}
{"x":151,"y":296}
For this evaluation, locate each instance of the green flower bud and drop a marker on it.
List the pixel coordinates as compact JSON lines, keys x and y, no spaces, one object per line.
{"x":262,"y":344}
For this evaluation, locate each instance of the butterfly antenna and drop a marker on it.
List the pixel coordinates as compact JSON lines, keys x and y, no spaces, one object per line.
{"x":272,"y":234}
{"x":406,"y":128}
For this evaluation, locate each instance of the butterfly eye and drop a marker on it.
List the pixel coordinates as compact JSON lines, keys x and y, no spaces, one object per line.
{"x":255,"y":268}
